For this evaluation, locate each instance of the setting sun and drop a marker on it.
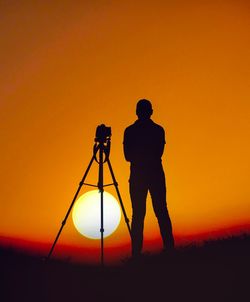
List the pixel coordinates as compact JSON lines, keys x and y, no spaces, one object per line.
{"x":87,"y":214}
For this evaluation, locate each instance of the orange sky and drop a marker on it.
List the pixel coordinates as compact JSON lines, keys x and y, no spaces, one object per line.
{"x":68,"y":66}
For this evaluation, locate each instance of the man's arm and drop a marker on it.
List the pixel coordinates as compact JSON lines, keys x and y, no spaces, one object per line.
{"x":160,"y":146}
{"x":126,"y":146}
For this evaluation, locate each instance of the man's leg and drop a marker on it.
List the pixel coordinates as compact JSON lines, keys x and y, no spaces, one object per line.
{"x":138,"y":195}
{"x":157,"y":190}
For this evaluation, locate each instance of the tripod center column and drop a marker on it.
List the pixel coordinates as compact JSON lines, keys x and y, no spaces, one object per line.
{"x":100,"y":187}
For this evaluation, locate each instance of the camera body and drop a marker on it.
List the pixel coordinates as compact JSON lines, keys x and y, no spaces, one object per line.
{"x":103,"y":133}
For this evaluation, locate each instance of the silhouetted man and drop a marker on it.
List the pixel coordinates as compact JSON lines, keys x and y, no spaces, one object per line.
{"x":144,"y":143}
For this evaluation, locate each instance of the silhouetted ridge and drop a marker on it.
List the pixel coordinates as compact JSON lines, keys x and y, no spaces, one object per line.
{"x":215,"y":271}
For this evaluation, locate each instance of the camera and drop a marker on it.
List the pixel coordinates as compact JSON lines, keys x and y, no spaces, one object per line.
{"x":103,"y":133}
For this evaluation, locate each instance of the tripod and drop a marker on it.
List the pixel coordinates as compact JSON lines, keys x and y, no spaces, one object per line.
{"x":101,"y":146}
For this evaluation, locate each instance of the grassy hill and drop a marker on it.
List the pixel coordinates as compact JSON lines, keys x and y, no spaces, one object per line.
{"x":215,"y":271}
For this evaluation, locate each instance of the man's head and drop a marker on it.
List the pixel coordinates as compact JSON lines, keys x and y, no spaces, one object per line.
{"x":144,"y":109}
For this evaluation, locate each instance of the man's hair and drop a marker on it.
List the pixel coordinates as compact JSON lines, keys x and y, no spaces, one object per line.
{"x":144,"y":108}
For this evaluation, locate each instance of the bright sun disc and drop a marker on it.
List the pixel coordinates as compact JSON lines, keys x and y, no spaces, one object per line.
{"x":87,"y":214}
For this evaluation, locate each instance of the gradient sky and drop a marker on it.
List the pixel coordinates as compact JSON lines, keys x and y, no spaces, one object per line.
{"x":67,"y":66}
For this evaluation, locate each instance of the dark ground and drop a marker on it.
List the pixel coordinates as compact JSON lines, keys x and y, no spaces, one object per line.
{"x":217,"y":271}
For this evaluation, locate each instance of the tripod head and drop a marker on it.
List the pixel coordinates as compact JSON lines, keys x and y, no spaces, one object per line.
{"x":103,"y":134}
{"x":102,"y":142}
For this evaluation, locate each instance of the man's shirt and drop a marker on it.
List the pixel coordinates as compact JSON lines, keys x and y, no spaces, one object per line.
{"x":144,"y":143}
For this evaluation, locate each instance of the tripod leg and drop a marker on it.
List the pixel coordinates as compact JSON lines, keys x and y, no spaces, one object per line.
{"x":119,"y":196}
{"x":72,"y":203}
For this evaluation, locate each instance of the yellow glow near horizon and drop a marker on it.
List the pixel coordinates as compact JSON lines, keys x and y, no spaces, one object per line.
{"x":87,"y":214}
